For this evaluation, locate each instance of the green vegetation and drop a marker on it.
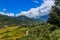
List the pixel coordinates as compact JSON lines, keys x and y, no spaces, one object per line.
{"x":55,"y":14}
{"x":42,"y":32}
{"x":36,"y":32}
{"x":24,"y":28}
{"x":12,"y":33}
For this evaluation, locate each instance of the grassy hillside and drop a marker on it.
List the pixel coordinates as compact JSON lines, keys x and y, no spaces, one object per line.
{"x":36,"y":32}
{"x":16,"y":21}
{"x":43,"y":32}
{"x":12,"y":33}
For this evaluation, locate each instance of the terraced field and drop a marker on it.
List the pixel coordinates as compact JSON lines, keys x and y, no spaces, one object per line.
{"x":12,"y":33}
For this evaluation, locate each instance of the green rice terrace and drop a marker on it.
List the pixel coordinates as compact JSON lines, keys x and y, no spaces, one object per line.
{"x":12,"y":33}
{"x":35,"y":32}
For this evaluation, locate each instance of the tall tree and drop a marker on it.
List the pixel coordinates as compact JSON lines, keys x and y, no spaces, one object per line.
{"x":55,"y":14}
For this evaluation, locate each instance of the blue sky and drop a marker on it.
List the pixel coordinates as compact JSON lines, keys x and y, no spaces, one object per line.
{"x":16,"y":6}
{"x":24,"y":7}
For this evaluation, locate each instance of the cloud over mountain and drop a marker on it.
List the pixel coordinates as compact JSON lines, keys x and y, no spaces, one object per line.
{"x":8,"y":14}
{"x":34,"y":12}
{"x":39,"y":11}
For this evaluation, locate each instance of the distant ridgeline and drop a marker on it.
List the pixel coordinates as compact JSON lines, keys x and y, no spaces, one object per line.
{"x":20,"y":20}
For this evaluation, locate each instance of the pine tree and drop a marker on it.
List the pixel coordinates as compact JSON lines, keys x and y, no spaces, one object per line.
{"x":55,"y":14}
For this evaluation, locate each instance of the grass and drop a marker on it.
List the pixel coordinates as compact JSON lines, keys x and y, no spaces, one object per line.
{"x":55,"y":34}
{"x":12,"y":33}
{"x":40,"y":32}
{"x":7,"y":29}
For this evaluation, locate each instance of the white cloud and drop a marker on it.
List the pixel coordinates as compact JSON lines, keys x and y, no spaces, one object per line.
{"x":34,"y":12}
{"x":39,"y":11}
{"x":36,"y":1}
{"x":8,"y":14}
{"x":11,"y":14}
{"x":4,"y":9}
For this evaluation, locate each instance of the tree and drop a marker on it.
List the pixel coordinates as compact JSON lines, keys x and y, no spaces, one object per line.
{"x":55,"y":14}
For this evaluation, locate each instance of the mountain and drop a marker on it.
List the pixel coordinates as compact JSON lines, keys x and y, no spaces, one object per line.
{"x":8,"y":20}
{"x":25,"y":19}
{"x":42,"y":18}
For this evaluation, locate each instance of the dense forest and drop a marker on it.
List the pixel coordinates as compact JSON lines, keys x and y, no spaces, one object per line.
{"x":24,"y":28}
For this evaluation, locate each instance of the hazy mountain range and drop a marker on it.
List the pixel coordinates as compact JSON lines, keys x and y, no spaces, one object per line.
{"x":21,"y":19}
